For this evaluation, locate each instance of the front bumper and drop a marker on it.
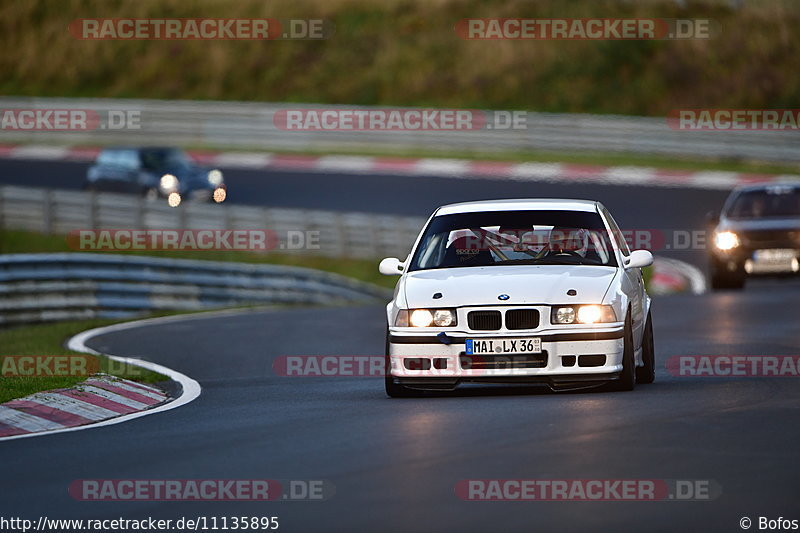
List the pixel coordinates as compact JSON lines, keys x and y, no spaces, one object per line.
{"x":568,"y":355}
{"x":742,"y":261}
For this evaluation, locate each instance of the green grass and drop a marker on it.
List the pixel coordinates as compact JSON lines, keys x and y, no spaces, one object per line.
{"x":48,"y":340}
{"x":406,"y":52}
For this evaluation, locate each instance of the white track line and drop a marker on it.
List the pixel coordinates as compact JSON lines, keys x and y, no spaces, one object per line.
{"x":191,"y":388}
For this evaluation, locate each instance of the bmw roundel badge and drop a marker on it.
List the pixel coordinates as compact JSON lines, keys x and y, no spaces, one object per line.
{"x":503,"y":297}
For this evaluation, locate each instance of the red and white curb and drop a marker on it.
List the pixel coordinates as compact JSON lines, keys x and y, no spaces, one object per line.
{"x":671,"y":276}
{"x":94,"y":400}
{"x":449,"y":168}
{"x":100,"y":397}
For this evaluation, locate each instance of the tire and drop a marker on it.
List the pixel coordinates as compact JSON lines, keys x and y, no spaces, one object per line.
{"x":627,"y":378}
{"x":647,"y":373}
{"x":395,"y":390}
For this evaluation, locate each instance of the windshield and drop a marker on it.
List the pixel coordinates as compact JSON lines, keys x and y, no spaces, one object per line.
{"x":164,"y":159}
{"x":514,"y":238}
{"x":777,"y":201}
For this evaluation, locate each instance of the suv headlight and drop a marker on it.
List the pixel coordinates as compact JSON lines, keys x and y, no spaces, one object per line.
{"x":726,"y":240}
{"x":423,"y":318}
{"x":582,"y":314}
{"x":215,"y":177}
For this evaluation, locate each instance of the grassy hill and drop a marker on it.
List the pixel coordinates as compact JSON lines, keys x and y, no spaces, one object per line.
{"x":406,"y":52}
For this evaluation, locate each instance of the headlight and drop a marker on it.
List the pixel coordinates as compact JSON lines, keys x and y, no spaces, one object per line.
{"x":168,"y":183}
{"x":582,"y":314}
{"x":423,"y":318}
{"x":726,"y":240}
{"x":444,"y":318}
{"x":215,"y":177}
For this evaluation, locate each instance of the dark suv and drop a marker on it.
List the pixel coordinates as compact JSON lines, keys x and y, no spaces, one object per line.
{"x":155,"y":172}
{"x":758,"y":232}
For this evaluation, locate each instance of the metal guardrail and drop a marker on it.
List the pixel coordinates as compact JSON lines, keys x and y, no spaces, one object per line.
{"x":48,"y":287}
{"x":354,"y":235}
{"x":251,"y":126}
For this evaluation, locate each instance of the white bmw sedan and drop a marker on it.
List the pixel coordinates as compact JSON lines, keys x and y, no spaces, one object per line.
{"x":519,"y":291}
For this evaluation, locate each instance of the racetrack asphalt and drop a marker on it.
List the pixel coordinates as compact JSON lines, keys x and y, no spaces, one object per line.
{"x":395,"y":462}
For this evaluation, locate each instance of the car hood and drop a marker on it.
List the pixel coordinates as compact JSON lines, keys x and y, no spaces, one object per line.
{"x":529,"y":284}
{"x":191,"y":174}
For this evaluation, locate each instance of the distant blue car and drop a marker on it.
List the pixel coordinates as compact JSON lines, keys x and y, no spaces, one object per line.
{"x":155,"y":172}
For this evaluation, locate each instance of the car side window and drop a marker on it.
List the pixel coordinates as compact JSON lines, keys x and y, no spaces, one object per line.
{"x":107,"y":157}
{"x":618,"y":236}
{"x":129,"y":159}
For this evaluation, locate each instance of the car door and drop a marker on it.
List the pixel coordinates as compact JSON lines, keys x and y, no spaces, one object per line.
{"x":106,"y":171}
{"x":129,"y":176}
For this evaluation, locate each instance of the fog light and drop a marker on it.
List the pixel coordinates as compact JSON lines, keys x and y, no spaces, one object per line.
{"x":174,"y":199}
{"x":220,"y":194}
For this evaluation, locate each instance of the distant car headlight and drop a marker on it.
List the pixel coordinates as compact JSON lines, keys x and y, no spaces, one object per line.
{"x":423,"y":318}
{"x":168,"y":183}
{"x":582,"y":314}
{"x":726,"y":240}
{"x":174,"y":199}
{"x":215,"y":177}
{"x":219,"y":195}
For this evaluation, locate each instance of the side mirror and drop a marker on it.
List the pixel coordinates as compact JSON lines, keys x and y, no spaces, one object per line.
{"x":391,"y":266}
{"x":712,"y":218}
{"x":639,"y":259}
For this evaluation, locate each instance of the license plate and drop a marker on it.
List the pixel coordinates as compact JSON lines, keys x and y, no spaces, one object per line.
{"x":503,"y":346}
{"x":775,"y":255}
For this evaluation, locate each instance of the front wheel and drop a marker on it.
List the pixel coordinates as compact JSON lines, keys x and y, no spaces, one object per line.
{"x":647,"y":373}
{"x":627,"y":378}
